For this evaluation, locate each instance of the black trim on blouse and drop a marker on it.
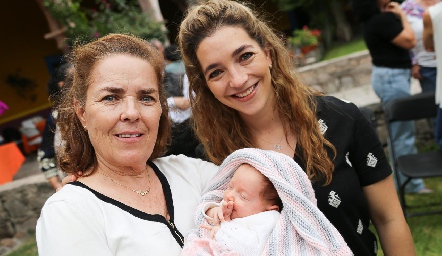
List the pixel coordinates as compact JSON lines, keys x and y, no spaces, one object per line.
{"x":143,"y":215}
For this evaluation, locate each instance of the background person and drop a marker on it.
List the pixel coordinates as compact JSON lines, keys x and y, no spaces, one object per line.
{"x":115,"y":125}
{"x":247,"y":94}
{"x":46,"y":153}
{"x":389,"y":37}
{"x":424,"y":62}
{"x":433,"y":42}
{"x":184,"y":140}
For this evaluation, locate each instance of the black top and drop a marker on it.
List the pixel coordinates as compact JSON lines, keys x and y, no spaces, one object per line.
{"x":379,"y":31}
{"x":360,"y":161}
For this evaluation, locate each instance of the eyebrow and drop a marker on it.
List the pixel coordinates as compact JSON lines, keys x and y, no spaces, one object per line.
{"x":234,"y":53}
{"x":118,"y":90}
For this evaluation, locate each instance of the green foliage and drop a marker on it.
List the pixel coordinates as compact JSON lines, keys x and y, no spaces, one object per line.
{"x":111,"y":16}
{"x":304,"y":37}
{"x":348,"y":48}
{"x":27,"y":249}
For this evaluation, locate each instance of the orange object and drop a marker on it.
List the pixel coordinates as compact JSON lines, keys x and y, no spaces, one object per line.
{"x":11,"y":159}
{"x":31,"y":144}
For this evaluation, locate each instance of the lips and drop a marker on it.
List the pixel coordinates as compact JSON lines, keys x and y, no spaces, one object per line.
{"x":246,"y":93}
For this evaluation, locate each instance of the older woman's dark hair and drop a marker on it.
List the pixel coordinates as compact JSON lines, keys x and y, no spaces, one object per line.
{"x":78,"y":153}
{"x":172,"y":53}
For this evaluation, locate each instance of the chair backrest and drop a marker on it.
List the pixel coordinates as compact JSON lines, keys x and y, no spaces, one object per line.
{"x":418,"y":106}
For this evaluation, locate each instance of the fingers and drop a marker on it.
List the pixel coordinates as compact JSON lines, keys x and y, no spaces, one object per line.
{"x":68,"y":179}
{"x":227,"y":208}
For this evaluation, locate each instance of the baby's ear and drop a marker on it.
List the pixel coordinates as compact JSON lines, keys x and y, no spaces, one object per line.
{"x":273,"y":208}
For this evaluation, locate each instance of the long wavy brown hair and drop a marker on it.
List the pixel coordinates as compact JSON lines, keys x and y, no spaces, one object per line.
{"x":77,"y":153}
{"x":220,"y":128}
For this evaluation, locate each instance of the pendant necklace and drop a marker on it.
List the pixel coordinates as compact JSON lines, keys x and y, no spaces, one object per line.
{"x":139,"y":192}
{"x":276,"y":146}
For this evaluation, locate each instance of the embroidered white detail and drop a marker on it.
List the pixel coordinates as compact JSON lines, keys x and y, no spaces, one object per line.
{"x":322,"y":126}
{"x":360,"y":227}
{"x":333,"y":199}
{"x":348,"y":160}
{"x":371,"y":160}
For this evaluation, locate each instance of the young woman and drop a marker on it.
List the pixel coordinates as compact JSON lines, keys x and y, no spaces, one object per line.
{"x":247,"y":94}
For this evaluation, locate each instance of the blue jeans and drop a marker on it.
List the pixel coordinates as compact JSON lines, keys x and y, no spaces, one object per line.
{"x":428,"y":84}
{"x":390,"y":84}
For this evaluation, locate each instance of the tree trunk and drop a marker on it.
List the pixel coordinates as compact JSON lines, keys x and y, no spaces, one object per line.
{"x":56,"y":30}
{"x":153,"y":8}
{"x":343,"y":29}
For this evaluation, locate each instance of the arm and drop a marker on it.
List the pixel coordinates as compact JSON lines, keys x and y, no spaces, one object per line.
{"x":427,"y":35}
{"x":388,"y":218}
{"x":406,"y":38}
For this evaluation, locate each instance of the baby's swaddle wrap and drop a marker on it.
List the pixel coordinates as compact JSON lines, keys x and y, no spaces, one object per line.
{"x":302,"y":228}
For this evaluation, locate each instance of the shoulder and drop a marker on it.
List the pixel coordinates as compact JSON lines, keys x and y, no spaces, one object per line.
{"x":176,"y":167}
{"x":435,"y":9}
{"x":183,"y":162}
{"x":332,"y":106}
{"x":71,"y":197}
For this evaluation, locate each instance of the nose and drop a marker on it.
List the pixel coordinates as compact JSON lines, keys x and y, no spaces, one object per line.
{"x":238,"y":77}
{"x":229,"y":195}
{"x":130,"y":111}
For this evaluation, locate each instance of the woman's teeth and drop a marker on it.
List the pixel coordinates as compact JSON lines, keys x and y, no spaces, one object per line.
{"x":246,"y":93}
{"x":129,"y":135}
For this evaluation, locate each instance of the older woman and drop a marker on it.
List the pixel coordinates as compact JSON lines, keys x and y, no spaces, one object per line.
{"x":247,"y":94}
{"x":114,"y":120}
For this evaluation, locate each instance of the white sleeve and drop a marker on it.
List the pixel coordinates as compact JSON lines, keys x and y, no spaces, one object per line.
{"x":64,"y":229}
{"x":186,"y":86}
{"x":171,"y":102}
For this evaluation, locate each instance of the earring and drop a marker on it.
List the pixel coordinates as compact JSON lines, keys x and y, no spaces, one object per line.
{"x":85,"y":128}
{"x":270,"y":66}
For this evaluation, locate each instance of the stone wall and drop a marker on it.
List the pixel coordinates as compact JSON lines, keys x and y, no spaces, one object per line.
{"x":340,"y":73}
{"x":20,"y":205}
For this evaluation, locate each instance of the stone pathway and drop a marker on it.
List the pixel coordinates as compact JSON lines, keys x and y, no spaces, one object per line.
{"x":365,"y":95}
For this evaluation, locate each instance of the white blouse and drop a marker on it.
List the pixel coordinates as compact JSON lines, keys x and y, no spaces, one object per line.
{"x":80,"y":221}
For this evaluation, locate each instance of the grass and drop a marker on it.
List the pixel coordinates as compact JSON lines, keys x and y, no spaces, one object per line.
{"x":27,"y":249}
{"x":341,"y":50}
{"x":426,"y":230}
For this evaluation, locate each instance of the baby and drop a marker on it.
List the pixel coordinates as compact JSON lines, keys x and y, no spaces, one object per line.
{"x":261,"y":203}
{"x":250,"y":209}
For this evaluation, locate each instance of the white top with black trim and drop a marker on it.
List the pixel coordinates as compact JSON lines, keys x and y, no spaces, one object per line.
{"x":80,"y":221}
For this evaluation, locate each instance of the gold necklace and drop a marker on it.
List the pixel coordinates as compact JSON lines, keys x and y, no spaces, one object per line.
{"x":139,"y":192}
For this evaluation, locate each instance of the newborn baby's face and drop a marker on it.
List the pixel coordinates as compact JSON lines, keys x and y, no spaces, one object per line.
{"x":244,"y":190}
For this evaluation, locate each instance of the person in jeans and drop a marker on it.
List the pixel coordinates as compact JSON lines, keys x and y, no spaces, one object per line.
{"x":389,"y":37}
{"x":432,"y":38}
{"x":424,"y":62}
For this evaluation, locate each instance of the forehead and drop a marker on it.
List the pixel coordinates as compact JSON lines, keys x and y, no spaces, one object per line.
{"x":223,"y":34}
{"x":246,"y":171}
{"x":124,"y":68}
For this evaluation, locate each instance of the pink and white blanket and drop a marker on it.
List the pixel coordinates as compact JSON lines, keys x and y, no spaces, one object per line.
{"x":302,"y":229}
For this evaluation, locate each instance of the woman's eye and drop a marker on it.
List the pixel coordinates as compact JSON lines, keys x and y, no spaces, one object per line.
{"x":110,"y":98}
{"x":214,"y":73}
{"x":246,"y":56}
{"x":147,"y":99}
